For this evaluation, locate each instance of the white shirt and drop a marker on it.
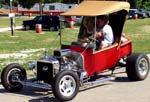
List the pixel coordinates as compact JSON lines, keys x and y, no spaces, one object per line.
{"x":108,"y":35}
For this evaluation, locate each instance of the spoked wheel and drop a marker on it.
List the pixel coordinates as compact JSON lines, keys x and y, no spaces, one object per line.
{"x":66,"y":85}
{"x":10,"y":75}
{"x":137,"y":66}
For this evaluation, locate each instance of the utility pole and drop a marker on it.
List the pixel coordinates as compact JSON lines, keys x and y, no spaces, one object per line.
{"x":11,"y":19}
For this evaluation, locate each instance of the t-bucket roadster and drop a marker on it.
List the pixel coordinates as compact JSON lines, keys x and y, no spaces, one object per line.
{"x":75,"y":66}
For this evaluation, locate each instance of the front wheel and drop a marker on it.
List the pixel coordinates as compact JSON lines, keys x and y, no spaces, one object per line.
{"x":137,"y":66}
{"x":65,"y":85}
{"x":10,"y":74}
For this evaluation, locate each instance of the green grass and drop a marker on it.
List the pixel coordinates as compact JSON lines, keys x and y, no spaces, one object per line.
{"x":5,"y":21}
{"x":137,"y":30}
{"x":31,"y":40}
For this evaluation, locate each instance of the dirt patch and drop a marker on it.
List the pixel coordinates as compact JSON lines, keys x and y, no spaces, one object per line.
{"x":21,"y":54}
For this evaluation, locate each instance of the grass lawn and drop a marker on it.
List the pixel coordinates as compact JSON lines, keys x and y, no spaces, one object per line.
{"x":137,"y":30}
{"x":5,"y":21}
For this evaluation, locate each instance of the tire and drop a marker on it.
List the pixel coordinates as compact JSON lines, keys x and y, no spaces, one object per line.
{"x":66,"y":85}
{"x":27,"y":27}
{"x":52,"y":29}
{"x":8,"y":76}
{"x":137,"y":66}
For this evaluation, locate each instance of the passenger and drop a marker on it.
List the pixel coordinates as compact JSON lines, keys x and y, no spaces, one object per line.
{"x":86,"y":30}
{"x":104,"y":33}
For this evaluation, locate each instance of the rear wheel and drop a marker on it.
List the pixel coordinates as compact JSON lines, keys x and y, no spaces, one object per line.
{"x":137,"y":66}
{"x":66,"y":85}
{"x":10,"y":74}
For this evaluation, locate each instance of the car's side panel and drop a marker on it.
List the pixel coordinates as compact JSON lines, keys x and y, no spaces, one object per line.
{"x":98,"y":61}
{"x":125,"y":48}
{"x":101,"y":60}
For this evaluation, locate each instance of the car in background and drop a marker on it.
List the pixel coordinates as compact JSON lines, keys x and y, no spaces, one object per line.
{"x":133,"y":12}
{"x":79,"y":19}
{"x":47,"y":21}
{"x":145,"y":11}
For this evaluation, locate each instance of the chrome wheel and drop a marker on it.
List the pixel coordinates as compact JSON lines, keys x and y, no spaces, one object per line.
{"x":143,"y":67}
{"x":67,"y":85}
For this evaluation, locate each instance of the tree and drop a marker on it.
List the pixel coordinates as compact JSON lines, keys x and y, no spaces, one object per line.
{"x":143,"y":4}
{"x":138,"y":3}
{"x":146,"y":5}
{"x":27,"y":3}
{"x":7,"y":2}
{"x":72,"y":1}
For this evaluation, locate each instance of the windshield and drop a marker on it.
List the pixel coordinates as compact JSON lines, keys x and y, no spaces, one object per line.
{"x":38,"y":18}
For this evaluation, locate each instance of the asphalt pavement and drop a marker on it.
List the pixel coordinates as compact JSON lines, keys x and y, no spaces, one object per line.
{"x":119,"y":90}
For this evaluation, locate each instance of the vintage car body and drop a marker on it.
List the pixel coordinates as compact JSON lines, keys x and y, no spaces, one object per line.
{"x":74,"y":66}
{"x":94,"y":62}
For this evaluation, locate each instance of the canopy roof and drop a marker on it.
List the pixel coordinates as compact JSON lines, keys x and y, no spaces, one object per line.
{"x":95,"y":8}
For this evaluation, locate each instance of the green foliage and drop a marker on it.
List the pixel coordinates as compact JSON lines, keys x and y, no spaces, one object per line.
{"x":146,"y":5}
{"x":138,"y":3}
{"x":6,"y":2}
{"x":0,"y":5}
{"x":27,"y":3}
{"x":71,"y":1}
{"x":143,"y":4}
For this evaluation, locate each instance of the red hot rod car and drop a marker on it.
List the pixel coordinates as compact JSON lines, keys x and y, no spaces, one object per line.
{"x":74,"y":66}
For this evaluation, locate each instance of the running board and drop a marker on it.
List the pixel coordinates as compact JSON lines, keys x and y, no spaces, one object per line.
{"x":36,"y":85}
{"x":49,"y":87}
{"x":101,"y":80}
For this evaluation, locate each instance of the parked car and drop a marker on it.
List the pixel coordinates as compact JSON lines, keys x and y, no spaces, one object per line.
{"x":78,"y":20}
{"x":47,"y":22}
{"x":133,"y":12}
{"x":74,"y":66}
{"x":145,"y":11}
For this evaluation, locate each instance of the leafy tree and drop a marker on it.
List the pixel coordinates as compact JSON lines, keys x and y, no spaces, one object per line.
{"x":146,"y":5}
{"x":0,"y":5}
{"x":143,"y":4}
{"x":27,"y":3}
{"x":7,"y":2}
{"x":138,"y":3}
{"x":72,"y":1}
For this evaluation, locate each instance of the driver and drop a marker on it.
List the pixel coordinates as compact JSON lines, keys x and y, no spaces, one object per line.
{"x":104,"y":33}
